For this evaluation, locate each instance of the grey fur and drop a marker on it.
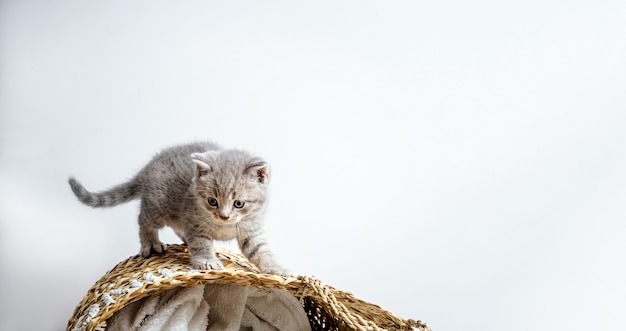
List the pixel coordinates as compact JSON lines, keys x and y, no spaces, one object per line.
{"x":204,"y":193}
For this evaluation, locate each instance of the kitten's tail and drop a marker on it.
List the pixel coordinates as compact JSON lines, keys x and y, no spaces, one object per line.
{"x":109,"y":198}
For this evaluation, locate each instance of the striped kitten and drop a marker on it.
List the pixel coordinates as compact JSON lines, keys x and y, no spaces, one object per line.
{"x":204,"y":193}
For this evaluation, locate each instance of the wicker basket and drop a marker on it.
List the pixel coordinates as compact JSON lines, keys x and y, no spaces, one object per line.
{"x":136,"y":278}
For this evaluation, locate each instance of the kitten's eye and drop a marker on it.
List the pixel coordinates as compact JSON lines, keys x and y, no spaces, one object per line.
{"x":239,"y":203}
{"x":212,"y":202}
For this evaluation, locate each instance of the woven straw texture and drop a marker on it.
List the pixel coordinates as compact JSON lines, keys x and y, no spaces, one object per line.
{"x":136,"y":278}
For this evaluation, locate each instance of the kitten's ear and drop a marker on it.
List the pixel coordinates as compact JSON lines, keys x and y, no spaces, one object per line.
{"x":201,"y":162}
{"x":258,"y":170}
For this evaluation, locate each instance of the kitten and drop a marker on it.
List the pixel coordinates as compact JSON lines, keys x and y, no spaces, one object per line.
{"x":204,"y":193}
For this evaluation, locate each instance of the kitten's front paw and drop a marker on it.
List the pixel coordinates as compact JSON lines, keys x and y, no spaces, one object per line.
{"x":206,"y":264}
{"x":275,"y":270}
{"x":155,"y":247}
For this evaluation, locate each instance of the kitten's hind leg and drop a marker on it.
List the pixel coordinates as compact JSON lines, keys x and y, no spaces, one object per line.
{"x":149,"y":237}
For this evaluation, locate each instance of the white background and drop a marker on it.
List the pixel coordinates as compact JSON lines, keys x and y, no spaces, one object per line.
{"x":458,"y":162}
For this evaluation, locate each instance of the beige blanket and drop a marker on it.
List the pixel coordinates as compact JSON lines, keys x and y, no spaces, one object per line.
{"x":212,"y":308}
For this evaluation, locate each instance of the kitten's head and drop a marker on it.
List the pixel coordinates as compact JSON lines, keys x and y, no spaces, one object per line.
{"x":230,"y":184}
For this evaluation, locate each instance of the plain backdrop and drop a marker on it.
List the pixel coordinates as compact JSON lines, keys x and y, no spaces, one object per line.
{"x":458,"y":162}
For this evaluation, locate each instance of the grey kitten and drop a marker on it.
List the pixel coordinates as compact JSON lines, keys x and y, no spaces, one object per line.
{"x":204,"y":193}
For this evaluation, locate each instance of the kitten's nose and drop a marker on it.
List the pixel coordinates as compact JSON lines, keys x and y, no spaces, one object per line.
{"x":224,"y":217}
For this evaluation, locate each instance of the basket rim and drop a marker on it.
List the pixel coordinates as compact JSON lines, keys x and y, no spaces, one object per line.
{"x":136,"y":278}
